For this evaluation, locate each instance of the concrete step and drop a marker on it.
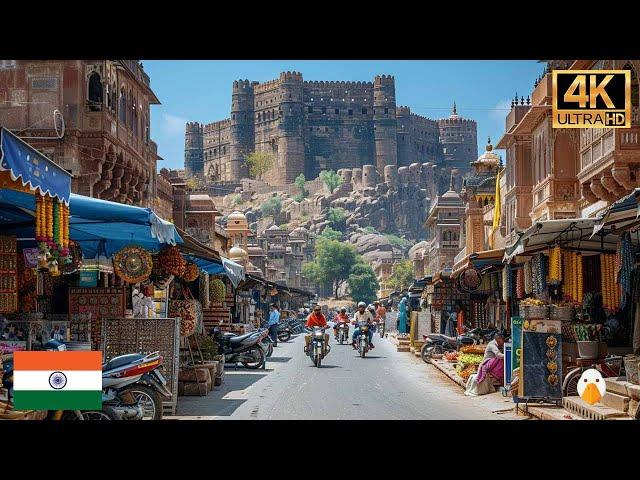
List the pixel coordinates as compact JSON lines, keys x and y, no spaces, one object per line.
{"x":592,"y":412}
{"x":618,"y":402}
{"x":403,"y":349}
{"x":617,"y":385}
{"x":633,"y":391}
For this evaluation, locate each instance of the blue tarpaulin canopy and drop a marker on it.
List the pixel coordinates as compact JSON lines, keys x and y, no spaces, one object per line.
{"x":99,"y":226}
{"x":33,"y":169}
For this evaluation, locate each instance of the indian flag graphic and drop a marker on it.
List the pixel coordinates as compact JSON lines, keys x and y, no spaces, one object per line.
{"x":57,"y":380}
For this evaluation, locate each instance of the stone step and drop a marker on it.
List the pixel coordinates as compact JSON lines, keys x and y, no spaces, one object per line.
{"x":618,"y":402}
{"x":617,"y":385}
{"x":403,"y":349}
{"x":592,"y":412}
{"x":633,"y":391}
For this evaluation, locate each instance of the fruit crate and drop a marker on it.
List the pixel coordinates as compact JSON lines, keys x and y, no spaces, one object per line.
{"x":561,"y":312}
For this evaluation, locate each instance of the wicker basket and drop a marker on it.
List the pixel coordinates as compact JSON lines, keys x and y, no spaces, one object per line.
{"x":564,"y":313}
{"x":534,"y":311}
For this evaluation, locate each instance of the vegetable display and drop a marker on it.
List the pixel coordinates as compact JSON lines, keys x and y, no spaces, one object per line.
{"x":473,"y":349}
{"x":451,"y":356}
{"x":470,"y":359}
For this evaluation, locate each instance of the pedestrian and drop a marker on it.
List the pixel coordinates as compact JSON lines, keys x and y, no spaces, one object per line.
{"x":274,"y":319}
{"x":452,"y":323}
{"x":402,"y":315}
{"x":460,"y":319}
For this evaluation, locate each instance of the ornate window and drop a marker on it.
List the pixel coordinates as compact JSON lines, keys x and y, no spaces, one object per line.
{"x":122,"y":107}
{"x":94,"y":92}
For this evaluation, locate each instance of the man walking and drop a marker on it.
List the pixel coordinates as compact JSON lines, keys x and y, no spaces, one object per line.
{"x":274,"y":319}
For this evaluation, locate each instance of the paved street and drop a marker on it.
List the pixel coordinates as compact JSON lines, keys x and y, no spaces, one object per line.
{"x":386,"y":385}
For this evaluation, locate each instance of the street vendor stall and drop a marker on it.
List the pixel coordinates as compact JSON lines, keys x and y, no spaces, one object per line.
{"x":573,"y":279}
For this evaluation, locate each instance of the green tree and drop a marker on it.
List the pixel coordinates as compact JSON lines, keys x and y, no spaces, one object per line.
{"x":397,"y":241}
{"x":370,"y":229}
{"x":258,"y":163}
{"x":331,"y":179}
{"x":272,"y":206}
{"x":237,"y":200}
{"x":333,"y":263}
{"x":337,"y":216}
{"x":402,"y":275}
{"x":330,"y":234}
{"x":363,"y":284}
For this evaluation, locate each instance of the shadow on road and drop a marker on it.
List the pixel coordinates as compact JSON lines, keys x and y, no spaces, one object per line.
{"x":326,"y":366}
{"x":278,"y":359}
{"x":373,"y":356}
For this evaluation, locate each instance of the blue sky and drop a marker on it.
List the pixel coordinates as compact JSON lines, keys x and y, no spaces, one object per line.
{"x":200,"y":90}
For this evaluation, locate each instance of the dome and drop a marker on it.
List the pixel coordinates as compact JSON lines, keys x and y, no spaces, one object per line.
{"x":237,"y":253}
{"x":237,"y":218}
{"x":451,"y":194}
{"x":273,"y":228}
{"x":489,"y":157}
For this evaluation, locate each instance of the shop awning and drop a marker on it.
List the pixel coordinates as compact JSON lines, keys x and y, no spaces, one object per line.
{"x":574,"y":233}
{"x":30,"y":167}
{"x":234,"y":271}
{"x":620,"y":215}
{"x":480,"y":261}
{"x":99,"y":226}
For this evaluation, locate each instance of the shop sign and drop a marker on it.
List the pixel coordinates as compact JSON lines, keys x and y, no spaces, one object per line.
{"x":507,"y":363}
{"x":31,"y":257}
{"x":88,"y":278}
{"x":516,"y":341}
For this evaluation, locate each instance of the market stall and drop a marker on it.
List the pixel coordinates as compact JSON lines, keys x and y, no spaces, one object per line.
{"x":573,"y":279}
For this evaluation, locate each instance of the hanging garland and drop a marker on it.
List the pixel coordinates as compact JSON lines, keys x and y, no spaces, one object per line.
{"x":52,"y":233}
{"x":191,"y":272}
{"x":527,"y":277}
{"x":555,"y":265}
{"x":217,"y":290}
{"x":171,"y":261}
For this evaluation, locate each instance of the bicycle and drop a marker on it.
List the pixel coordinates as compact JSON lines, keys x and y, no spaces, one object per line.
{"x":611,"y":366}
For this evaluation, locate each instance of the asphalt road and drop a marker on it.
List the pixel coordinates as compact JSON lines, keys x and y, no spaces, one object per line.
{"x":386,"y":385}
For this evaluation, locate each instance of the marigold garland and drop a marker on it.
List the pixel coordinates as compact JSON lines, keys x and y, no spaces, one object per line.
{"x":191,"y":272}
{"x":171,"y":261}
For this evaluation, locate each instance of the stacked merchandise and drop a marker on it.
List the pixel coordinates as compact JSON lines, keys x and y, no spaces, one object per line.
{"x":8,"y":275}
{"x":194,"y":381}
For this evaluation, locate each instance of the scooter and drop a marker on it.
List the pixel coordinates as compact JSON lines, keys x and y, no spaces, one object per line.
{"x":244,"y":349}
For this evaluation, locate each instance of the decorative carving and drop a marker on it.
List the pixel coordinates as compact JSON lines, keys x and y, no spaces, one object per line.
{"x":599,"y":191}
{"x":612,"y":186}
{"x":622,"y":175}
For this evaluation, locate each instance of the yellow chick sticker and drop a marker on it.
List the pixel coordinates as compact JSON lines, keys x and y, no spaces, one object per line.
{"x":591,"y":386}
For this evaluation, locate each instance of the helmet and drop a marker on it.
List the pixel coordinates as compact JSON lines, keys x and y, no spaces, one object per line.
{"x":343,"y":310}
{"x":362,"y":304}
{"x":371,"y":307}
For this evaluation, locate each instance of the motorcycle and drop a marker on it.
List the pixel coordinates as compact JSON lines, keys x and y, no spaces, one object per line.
{"x":317,"y":349}
{"x":284,"y":332}
{"x":363,"y":340}
{"x":438,"y":344}
{"x":343,"y":333}
{"x":245,"y":349}
{"x":131,"y":388}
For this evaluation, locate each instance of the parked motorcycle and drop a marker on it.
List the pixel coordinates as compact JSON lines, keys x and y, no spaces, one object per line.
{"x":438,"y":343}
{"x":245,"y":349}
{"x":284,"y":332}
{"x":317,"y":348}
{"x":343,"y":333}
{"x":363,"y":340}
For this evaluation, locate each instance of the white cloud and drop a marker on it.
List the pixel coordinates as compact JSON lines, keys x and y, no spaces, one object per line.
{"x":173,"y":126}
{"x":500,"y":111}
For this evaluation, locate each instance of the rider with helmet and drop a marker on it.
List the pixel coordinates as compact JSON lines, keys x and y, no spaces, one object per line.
{"x":341,"y":318}
{"x":362,"y":316}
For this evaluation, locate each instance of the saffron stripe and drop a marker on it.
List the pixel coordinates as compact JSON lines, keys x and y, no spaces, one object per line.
{"x":57,"y":361}
{"x":57,"y":400}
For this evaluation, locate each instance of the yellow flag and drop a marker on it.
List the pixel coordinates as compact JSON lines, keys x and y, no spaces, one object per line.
{"x":496,"y":210}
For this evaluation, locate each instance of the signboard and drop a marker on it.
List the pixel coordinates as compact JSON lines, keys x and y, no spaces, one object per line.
{"x":541,"y":365}
{"x":516,"y":342}
{"x":88,"y":278}
{"x":31,"y":257}
{"x":507,"y":363}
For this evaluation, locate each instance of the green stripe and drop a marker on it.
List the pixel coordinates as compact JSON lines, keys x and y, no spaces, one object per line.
{"x":57,"y":400}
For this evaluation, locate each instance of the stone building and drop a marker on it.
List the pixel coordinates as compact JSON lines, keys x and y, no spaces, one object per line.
{"x":89,"y":116}
{"x":309,"y":126}
{"x":444,"y":229}
{"x":163,"y":202}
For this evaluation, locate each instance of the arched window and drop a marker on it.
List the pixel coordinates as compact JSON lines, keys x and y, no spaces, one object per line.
{"x":114,"y":97}
{"x":122,"y":107}
{"x":94,"y":92}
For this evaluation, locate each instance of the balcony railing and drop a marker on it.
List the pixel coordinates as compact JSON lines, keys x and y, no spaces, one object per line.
{"x":134,"y":68}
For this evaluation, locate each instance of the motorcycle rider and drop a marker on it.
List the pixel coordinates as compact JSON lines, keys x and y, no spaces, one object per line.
{"x":342,"y":317}
{"x":381,"y":312}
{"x":362,"y":315}
{"x":315,"y":319}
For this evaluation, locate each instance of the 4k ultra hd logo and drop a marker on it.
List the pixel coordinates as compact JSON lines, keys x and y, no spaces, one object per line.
{"x":591,"y":98}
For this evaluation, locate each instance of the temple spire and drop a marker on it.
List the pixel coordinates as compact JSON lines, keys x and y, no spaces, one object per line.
{"x":455,"y":110}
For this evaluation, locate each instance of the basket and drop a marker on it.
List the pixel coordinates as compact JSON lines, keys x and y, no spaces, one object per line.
{"x":564,"y":313}
{"x":588,"y":349}
{"x":631,"y":365}
{"x":534,"y":311}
